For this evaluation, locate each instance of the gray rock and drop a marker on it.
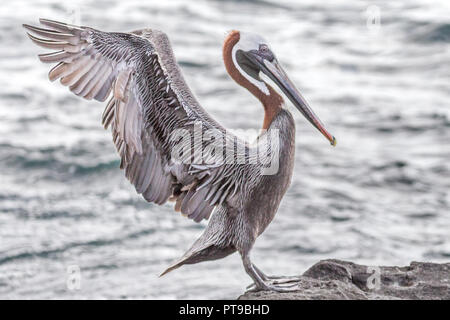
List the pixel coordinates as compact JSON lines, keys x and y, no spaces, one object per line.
{"x":337,"y":280}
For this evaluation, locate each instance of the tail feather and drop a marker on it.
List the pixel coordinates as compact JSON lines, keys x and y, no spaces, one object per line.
{"x":199,"y":254}
{"x":191,"y":256}
{"x":174,"y":266}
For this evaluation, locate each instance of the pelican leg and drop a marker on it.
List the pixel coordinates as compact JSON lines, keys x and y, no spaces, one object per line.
{"x":261,"y":274}
{"x":276,"y":279}
{"x":261,"y":282}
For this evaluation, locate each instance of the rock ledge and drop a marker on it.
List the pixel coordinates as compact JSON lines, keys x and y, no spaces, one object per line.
{"x":338,"y":280}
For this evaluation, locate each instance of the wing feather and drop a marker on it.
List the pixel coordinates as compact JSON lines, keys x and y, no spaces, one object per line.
{"x":150,"y":101}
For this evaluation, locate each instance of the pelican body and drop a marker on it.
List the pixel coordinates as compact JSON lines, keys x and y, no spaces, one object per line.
{"x":149,"y":100}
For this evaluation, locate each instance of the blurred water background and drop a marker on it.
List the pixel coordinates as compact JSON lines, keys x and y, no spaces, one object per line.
{"x":377,"y":73}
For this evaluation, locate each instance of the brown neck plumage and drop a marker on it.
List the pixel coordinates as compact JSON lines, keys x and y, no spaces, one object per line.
{"x":272,"y":102}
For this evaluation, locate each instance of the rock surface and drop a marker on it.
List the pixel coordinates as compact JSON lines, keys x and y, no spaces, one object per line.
{"x":337,"y":280}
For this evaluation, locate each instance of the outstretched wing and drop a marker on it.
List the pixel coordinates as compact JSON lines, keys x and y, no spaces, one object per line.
{"x":150,"y":102}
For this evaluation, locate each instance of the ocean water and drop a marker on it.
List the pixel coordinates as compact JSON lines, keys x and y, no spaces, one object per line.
{"x":378,"y":75}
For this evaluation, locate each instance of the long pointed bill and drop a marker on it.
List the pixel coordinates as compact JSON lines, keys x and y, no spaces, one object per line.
{"x":274,"y":71}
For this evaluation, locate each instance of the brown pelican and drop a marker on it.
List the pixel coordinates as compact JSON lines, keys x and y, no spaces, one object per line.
{"x":150,"y":100}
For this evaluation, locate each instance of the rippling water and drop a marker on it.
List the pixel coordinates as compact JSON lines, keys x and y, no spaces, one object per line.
{"x":380,"y":197}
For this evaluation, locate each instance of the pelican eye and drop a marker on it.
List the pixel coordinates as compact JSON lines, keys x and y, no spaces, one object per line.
{"x":263,"y":48}
{"x":265,"y":52}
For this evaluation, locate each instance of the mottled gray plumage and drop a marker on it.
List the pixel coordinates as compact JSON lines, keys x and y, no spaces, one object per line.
{"x":236,"y":227}
{"x":149,"y":101}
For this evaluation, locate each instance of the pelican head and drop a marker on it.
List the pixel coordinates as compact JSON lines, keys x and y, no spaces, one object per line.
{"x":251,"y":55}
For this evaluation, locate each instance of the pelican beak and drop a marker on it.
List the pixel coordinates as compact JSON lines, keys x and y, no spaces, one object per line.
{"x":276,"y":73}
